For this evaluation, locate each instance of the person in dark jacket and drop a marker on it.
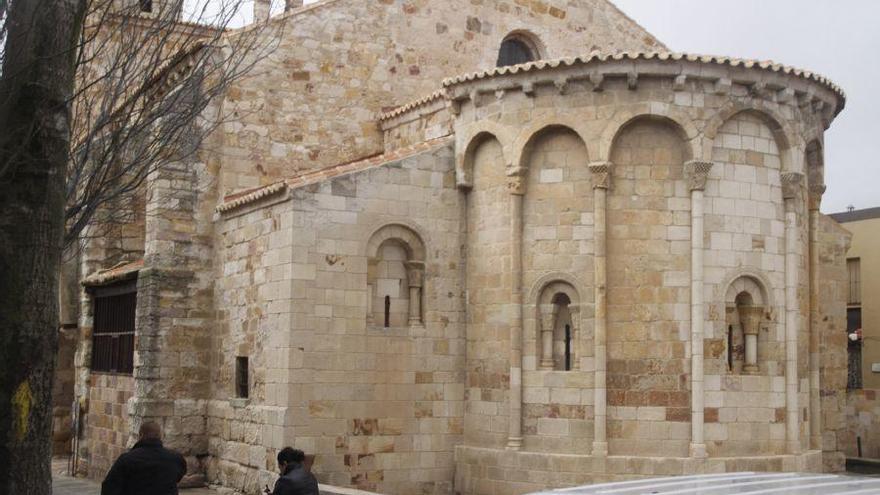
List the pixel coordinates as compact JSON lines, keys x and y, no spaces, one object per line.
{"x":147,"y":469}
{"x":295,"y":478}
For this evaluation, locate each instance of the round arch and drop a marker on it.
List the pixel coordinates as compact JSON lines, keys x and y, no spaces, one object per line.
{"x":411,"y":241}
{"x":748,"y":275}
{"x":663,"y":112}
{"x":540,"y":286}
{"x":528,"y":42}
{"x":786,"y":139}
{"x":470,"y":140}
{"x":528,"y":136}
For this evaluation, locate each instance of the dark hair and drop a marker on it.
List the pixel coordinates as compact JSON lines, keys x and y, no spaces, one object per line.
{"x":150,"y":431}
{"x":291,"y":455}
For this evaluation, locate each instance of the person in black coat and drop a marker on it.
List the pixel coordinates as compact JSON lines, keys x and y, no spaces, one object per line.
{"x":295,"y":478}
{"x":147,"y":469}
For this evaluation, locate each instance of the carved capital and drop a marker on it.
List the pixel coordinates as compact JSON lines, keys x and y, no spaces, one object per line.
{"x":601,"y":172}
{"x":516,"y":180}
{"x":415,"y":273}
{"x":791,"y":184}
{"x":697,"y":173}
{"x":816,"y":192}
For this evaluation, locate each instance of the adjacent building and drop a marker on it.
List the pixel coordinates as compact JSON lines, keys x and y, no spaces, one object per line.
{"x":863,"y":331}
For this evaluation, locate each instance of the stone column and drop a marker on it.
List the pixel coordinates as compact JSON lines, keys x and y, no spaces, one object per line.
{"x":574,"y":312}
{"x":791,"y":186}
{"x":601,"y":172}
{"x":548,"y":318}
{"x":517,"y":186}
{"x":750,"y":320}
{"x":415,"y":272}
{"x":698,"y":174}
{"x":816,"y":192}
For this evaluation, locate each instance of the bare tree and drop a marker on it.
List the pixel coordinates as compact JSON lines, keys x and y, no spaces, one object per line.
{"x":94,"y":96}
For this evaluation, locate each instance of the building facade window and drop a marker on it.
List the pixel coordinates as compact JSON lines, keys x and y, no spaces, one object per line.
{"x":854,"y":324}
{"x":395,"y":278}
{"x":113,"y":333}
{"x":242,"y":378}
{"x":517,"y":48}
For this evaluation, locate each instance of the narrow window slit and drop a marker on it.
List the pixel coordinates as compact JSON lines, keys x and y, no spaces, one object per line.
{"x":387,"y":311}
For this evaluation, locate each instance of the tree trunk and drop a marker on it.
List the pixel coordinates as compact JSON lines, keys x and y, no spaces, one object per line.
{"x":35,"y":89}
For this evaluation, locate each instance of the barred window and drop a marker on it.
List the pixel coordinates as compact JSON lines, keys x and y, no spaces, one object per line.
{"x":113,"y":333}
{"x":853,"y":268}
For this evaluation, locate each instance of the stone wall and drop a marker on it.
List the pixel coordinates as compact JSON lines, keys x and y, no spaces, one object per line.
{"x":380,"y":407}
{"x":617,"y":160}
{"x":106,"y":429}
{"x":312,"y":103}
{"x":833,"y":243}
{"x":862,"y":424}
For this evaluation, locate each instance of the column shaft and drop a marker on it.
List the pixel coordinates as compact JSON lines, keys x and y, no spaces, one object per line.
{"x":514,"y":437}
{"x":698,"y":174}
{"x":698,"y":446}
{"x":816,"y":192}
{"x":600,"y":439}
{"x":791,"y":185}
{"x":415,"y":305}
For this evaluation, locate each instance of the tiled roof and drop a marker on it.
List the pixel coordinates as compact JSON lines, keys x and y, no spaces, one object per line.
{"x":366,"y":163}
{"x":436,"y":95}
{"x":243,"y":198}
{"x":119,"y":272}
{"x":240,"y":199}
{"x":598,"y":58}
{"x":661,"y":56}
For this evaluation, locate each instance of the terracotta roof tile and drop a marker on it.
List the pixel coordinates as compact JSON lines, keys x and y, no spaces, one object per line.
{"x":237,"y":200}
{"x":115,"y":274}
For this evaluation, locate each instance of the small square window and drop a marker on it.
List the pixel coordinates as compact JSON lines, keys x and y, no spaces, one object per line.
{"x":146,"y":5}
{"x":242,"y":388}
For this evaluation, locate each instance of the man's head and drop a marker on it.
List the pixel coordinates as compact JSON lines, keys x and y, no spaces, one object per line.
{"x":150,"y":431}
{"x":289,"y":456}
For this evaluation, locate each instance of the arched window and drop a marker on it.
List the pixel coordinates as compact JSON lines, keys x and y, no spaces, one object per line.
{"x":558,"y":327}
{"x":517,"y":49}
{"x":395,"y":276}
{"x":746,"y":311}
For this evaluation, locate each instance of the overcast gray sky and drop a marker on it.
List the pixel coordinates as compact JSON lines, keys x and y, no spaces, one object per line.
{"x":839,"y":39}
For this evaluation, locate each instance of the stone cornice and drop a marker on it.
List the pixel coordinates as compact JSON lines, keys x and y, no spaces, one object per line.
{"x":762,"y":79}
{"x":759,"y":85}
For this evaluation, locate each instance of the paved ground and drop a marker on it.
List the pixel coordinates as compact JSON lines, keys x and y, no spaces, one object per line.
{"x":66,"y":485}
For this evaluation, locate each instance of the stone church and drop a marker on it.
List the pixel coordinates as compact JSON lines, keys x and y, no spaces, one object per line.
{"x":479,"y":247}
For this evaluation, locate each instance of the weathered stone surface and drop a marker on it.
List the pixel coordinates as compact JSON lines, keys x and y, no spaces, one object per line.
{"x":502,"y":300}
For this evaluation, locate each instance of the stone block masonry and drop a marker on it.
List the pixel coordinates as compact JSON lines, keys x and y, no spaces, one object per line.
{"x":583,"y":269}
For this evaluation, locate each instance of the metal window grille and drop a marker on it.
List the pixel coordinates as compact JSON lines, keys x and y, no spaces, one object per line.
{"x":853,"y":267}
{"x":853,"y":349}
{"x":113,"y":333}
{"x":854,"y":366}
